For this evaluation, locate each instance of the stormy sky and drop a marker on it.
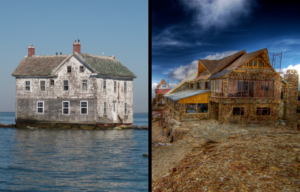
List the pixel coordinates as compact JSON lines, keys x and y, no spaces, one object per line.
{"x":185,"y":31}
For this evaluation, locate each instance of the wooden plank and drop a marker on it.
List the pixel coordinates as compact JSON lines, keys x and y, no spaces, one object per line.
{"x":201,"y":98}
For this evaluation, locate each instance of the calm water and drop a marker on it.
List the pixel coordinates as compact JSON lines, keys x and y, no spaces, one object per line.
{"x":73,"y":160}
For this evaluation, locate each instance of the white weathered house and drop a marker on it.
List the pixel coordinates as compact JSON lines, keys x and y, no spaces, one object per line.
{"x":73,"y":90}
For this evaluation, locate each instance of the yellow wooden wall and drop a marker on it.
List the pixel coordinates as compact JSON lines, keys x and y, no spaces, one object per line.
{"x":201,"y":98}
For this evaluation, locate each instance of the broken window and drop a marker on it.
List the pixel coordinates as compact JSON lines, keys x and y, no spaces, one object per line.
{"x":238,"y":111}
{"x":262,"y":111}
{"x":42,"y":84}
{"x":104,"y":108}
{"x":115,"y":86}
{"x":84,"y":85}
{"x":66,"y":85}
{"x":104,"y":85}
{"x":114,"y":106}
{"x":69,"y":69}
{"x":27,"y":85}
{"x":81,"y":69}
{"x":83,"y":107}
{"x":125,"y":107}
{"x":125,"y":87}
{"x":65,"y":107}
{"x":202,"y":108}
{"x":51,"y":82}
{"x":40,"y":107}
{"x":191,"y":108}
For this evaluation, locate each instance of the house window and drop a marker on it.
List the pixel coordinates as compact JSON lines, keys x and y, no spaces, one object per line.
{"x":83,"y":107}
{"x":114,"y":106}
{"x":65,"y":107}
{"x":125,"y":87}
{"x":84,"y":85}
{"x":104,"y":85}
{"x":40,"y":107}
{"x":66,"y":85}
{"x":191,"y":108}
{"x":51,"y":82}
{"x":202,"y":108}
{"x":115,"y":86}
{"x":255,"y":63}
{"x":207,"y":85}
{"x":42,"y":84}
{"x":69,"y":69}
{"x":81,"y":69}
{"x":191,"y":85}
{"x":27,"y":85}
{"x":125,"y":108}
{"x":262,"y":111}
{"x":282,"y":95}
{"x":238,"y":111}
{"x":104,"y":108}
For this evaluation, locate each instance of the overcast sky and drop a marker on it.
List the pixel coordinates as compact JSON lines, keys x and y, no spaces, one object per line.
{"x":185,"y":31}
{"x":114,"y":27}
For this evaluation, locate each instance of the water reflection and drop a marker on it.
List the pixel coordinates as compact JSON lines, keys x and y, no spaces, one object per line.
{"x":71,"y":160}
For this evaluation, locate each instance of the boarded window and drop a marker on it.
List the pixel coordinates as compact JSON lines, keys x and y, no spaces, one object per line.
{"x":27,"y":85}
{"x":84,"y":85}
{"x":104,"y":85}
{"x":66,"y":85}
{"x":83,"y":107}
{"x":238,"y":111}
{"x":65,"y":107}
{"x":81,"y":69}
{"x":40,"y":107}
{"x":191,"y":108}
{"x":69,"y":69}
{"x":125,"y":87}
{"x":262,"y":111}
{"x":125,"y":107}
{"x":104,"y":108}
{"x":42,"y":84}
{"x":51,"y":82}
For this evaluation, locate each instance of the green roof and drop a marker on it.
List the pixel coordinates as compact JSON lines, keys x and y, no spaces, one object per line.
{"x":107,"y":65}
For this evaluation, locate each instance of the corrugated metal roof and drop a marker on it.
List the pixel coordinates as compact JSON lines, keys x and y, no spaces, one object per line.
{"x":185,"y":94}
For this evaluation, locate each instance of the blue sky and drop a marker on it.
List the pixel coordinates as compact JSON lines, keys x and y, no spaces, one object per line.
{"x":185,"y":31}
{"x":114,"y":27}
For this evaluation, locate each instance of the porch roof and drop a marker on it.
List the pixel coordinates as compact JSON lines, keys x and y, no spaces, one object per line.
{"x":185,"y":94}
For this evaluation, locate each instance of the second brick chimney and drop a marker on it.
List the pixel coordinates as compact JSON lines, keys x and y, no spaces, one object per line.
{"x":76,"y":47}
{"x":31,"y":50}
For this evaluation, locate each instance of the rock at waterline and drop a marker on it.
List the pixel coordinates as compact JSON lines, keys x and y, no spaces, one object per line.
{"x":145,"y":155}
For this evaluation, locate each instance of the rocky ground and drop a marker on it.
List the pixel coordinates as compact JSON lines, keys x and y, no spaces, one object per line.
{"x":208,"y":156}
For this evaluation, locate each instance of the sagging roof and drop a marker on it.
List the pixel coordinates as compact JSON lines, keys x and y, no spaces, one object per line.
{"x":185,"y":94}
{"x":42,"y":66}
{"x":37,"y":65}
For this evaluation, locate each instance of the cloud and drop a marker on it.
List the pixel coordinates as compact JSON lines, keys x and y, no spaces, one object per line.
{"x":297,"y":67}
{"x":218,"y":56}
{"x":183,"y":71}
{"x":218,"y":13}
{"x":284,"y":45}
{"x":154,"y":85}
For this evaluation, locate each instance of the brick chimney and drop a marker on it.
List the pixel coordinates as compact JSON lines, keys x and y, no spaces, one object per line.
{"x":31,"y":50}
{"x":76,"y":46}
{"x":291,"y":77}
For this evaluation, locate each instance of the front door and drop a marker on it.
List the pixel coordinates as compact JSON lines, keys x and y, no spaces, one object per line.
{"x":114,"y":112}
